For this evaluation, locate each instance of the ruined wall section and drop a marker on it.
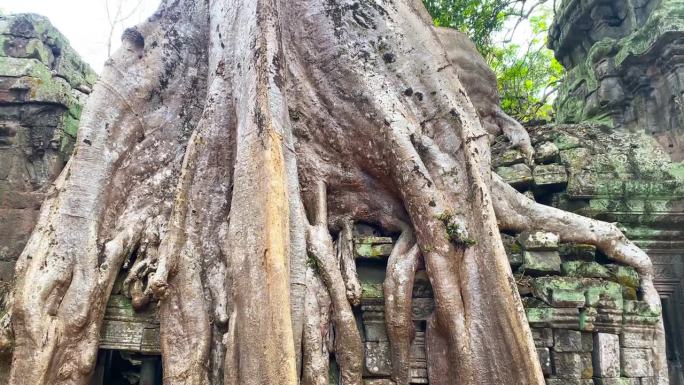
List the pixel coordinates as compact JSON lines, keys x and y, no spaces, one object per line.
{"x":616,"y":176}
{"x":624,"y":66}
{"x":43,"y":86}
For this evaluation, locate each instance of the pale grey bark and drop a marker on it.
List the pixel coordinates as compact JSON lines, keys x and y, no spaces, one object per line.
{"x":208,"y":132}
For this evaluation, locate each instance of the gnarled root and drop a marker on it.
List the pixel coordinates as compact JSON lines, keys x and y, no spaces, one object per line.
{"x":6,"y":337}
{"x":348,"y":345}
{"x":516,"y":134}
{"x":345,"y":256}
{"x":135,"y":284}
{"x":315,"y":353}
{"x":437,"y":350}
{"x":516,"y":212}
{"x":398,"y":289}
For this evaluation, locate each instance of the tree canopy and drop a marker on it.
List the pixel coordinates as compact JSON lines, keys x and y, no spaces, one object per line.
{"x":527,"y":72}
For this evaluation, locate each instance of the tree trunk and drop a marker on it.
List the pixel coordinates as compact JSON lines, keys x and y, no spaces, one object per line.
{"x":210,"y":134}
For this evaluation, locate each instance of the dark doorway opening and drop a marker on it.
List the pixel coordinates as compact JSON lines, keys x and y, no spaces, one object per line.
{"x":119,"y":367}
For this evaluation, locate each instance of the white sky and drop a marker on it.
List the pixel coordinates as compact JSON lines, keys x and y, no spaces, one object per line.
{"x":84,"y":22}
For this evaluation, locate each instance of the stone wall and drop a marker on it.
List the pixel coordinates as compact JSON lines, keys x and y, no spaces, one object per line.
{"x":587,"y":319}
{"x":624,"y":66}
{"x":616,"y":176}
{"x":43,"y":85}
{"x":625,"y":70}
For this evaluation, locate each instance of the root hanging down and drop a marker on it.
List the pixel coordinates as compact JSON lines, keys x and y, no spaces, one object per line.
{"x":345,"y":255}
{"x":516,"y":212}
{"x":194,"y":153}
{"x":398,"y":289}
{"x":348,"y":345}
{"x":315,"y":352}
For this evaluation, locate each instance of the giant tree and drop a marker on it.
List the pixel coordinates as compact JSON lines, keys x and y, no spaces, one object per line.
{"x":226,"y":153}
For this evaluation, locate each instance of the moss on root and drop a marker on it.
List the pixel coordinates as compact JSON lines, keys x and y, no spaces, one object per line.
{"x":455,"y":231}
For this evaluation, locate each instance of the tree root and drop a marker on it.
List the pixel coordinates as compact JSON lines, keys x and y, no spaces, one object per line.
{"x":437,"y":351}
{"x":345,"y":256}
{"x":315,"y":352}
{"x":348,"y":345}
{"x":516,"y":212}
{"x":398,"y":289}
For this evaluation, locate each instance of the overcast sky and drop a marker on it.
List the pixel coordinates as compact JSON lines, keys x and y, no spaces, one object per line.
{"x":84,"y":22}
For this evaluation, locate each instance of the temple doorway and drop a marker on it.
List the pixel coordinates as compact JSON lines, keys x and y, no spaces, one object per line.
{"x":119,"y":367}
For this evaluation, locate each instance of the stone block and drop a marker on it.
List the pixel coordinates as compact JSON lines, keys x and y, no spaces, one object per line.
{"x":648,"y":381}
{"x":377,"y":381}
{"x":634,"y":320}
{"x":513,"y":250}
{"x":574,"y":158}
{"x":587,"y":365}
{"x":371,"y":246}
{"x":374,"y":330}
{"x":567,"y":365}
{"x":624,"y":275}
{"x":577,"y":252}
{"x":605,"y":294}
{"x":606,"y":355}
{"x":538,"y":241}
{"x":508,"y":158}
{"x":587,"y":342}
{"x":377,"y":359}
{"x":517,"y":175}
{"x":544,"y":286}
{"x":549,"y":175}
{"x":636,"y":362}
{"x":616,"y":381}
{"x":560,"y":318}
{"x":567,"y":340}
{"x":545,"y":360}
{"x":584,"y":269}
{"x":540,"y":262}
{"x":543,"y":337}
{"x":545,"y":152}
{"x":563,"y":381}
{"x":587,"y":319}
{"x":373,"y":250}
{"x":641,"y":308}
{"x":608,"y":320}
{"x":637,"y":338}
{"x":371,"y":290}
{"x":567,"y":298}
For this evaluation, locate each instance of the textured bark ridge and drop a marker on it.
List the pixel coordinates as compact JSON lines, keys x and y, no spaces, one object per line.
{"x":225,"y":155}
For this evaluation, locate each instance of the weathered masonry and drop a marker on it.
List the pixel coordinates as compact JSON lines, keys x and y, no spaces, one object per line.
{"x":624,"y":66}
{"x":616,"y":176}
{"x":43,"y":86}
{"x":588,"y":323}
{"x":625,"y":70}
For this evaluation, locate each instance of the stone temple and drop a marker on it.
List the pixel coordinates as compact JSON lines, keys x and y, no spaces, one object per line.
{"x":614,"y":154}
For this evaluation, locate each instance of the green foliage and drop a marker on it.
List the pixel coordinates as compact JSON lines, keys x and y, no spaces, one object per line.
{"x":528,"y":74}
{"x":476,"y":18}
